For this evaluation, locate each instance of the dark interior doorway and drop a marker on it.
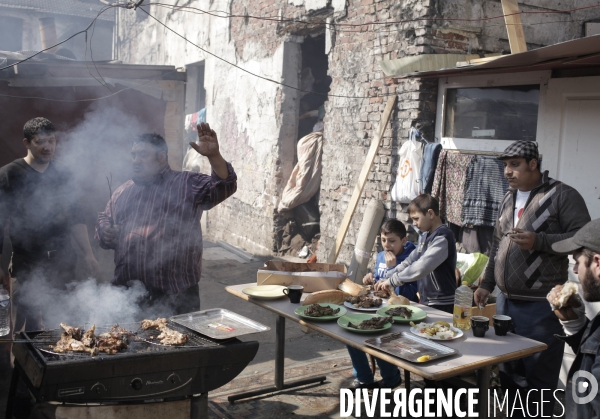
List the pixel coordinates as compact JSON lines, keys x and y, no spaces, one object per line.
{"x":299,"y":227}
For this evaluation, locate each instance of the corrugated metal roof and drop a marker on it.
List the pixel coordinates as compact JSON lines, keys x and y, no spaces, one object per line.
{"x":583,"y":52}
{"x":61,"y":7}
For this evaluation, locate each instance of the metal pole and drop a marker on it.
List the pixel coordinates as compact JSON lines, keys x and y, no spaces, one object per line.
{"x":483,"y":384}
{"x":279,"y":352}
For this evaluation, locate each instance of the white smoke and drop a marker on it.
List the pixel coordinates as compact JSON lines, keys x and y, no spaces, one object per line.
{"x":87,"y":302}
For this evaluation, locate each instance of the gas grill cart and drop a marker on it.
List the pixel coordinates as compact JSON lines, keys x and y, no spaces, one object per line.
{"x":146,"y":373}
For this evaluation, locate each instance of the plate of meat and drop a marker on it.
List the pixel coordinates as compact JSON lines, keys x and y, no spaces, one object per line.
{"x":365,"y":323}
{"x":365,"y":303}
{"x":321,"y":311}
{"x":403,"y":313}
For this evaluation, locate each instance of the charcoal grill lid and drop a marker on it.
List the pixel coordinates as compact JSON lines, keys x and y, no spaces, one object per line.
{"x":219,"y":323}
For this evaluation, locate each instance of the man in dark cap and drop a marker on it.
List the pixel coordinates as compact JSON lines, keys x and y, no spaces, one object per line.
{"x":582,"y":393}
{"x":536,"y":212}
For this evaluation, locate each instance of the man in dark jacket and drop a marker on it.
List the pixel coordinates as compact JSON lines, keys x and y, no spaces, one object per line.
{"x":582,"y":396}
{"x":536,"y":213}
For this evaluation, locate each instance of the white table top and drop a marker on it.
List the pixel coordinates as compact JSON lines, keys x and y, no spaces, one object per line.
{"x":473,"y":353}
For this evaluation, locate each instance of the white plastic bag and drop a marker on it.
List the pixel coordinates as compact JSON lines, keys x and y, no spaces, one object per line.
{"x":406,"y":187}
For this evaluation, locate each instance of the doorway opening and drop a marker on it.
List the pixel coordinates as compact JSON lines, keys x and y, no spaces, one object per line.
{"x":297,"y":227}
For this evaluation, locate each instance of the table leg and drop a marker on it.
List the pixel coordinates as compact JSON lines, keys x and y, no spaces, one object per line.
{"x":279,"y":368}
{"x":483,"y":383}
{"x":407,"y":380}
{"x":279,"y":351}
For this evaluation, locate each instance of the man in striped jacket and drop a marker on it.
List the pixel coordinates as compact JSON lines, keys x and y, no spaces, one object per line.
{"x":536,"y":213}
{"x":153,"y":221}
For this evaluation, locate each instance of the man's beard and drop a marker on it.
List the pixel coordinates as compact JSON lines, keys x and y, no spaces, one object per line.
{"x":591,"y":287}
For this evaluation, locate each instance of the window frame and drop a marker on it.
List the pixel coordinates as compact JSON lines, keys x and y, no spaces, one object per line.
{"x":489,"y":80}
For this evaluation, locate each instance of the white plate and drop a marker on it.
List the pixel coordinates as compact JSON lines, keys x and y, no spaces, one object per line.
{"x":351,"y":306}
{"x":425,"y":335}
{"x":265,"y":292}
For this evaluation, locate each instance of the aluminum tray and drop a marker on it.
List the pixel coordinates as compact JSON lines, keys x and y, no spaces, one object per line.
{"x":407,"y":346}
{"x":219,"y":323}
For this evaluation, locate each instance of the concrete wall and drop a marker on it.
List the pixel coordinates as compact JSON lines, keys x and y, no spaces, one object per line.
{"x":257,"y":120}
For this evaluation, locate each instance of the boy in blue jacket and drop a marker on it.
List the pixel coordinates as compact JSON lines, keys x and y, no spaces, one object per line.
{"x":396,"y":248}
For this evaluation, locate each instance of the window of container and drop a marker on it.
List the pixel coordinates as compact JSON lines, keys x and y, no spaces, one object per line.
{"x":492,"y":113}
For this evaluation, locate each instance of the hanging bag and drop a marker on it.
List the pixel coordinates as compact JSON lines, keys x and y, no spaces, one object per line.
{"x":410,"y":156}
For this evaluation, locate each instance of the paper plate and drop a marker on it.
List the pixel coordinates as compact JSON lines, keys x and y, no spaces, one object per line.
{"x":417,"y":314}
{"x":357,"y":318}
{"x":425,"y":335}
{"x":300,"y":312}
{"x":265,"y":292}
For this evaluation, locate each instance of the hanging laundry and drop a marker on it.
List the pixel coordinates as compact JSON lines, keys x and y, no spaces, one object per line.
{"x":484,"y":191}
{"x":431,"y":154}
{"x":449,"y":184}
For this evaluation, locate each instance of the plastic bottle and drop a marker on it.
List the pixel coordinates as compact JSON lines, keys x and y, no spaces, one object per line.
{"x":463,"y":300}
{"x":4,"y":312}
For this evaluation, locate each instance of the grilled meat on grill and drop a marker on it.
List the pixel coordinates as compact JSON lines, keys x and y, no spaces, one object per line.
{"x":171,"y":337}
{"x":316,"y":310}
{"x":89,"y":338}
{"x":154,"y":324}
{"x":110,"y":342}
{"x":364,"y":302}
{"x":67,"y":343}
{"x":74,"y":332}
{"x":371,"y":324}
{"x":400,"y":312}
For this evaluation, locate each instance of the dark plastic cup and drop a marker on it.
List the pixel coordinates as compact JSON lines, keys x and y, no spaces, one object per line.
{"x":294,"y":292}
{"x":502,"y":324}
{"x":479,"y":325}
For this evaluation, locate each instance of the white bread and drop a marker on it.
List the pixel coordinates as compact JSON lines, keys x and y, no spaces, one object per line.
{"x":564,"y":299}
{"x":353,"y":288}
{"x":327,"y":296}
{"x":398,"y":300}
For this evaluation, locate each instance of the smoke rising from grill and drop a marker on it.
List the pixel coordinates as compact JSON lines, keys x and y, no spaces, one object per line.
{"x":84,"y":302}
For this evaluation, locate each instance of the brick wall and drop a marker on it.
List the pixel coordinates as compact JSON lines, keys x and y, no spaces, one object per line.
{"x":350,"y":124}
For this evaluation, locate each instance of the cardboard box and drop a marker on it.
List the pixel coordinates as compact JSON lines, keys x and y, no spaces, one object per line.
{"x":488,"y":311}
{"x":312,"y":276}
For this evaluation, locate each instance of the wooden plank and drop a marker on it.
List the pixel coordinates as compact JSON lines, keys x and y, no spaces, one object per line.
{"x":516,"y":37}
{"x":362,"y":180}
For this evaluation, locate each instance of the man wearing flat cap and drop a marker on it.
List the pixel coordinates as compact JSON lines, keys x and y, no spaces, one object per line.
{"x":536,"y":212}
{"x":582,"y":397}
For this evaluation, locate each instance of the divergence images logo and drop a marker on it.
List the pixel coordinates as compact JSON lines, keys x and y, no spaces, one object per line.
{"x":583,"y":382}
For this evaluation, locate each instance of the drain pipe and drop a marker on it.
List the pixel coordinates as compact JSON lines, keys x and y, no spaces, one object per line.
{"x":48,"y":33}
{"x":369,"y":229}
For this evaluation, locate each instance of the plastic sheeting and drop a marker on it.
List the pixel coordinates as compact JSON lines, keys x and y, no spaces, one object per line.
{"x":305,"y":180}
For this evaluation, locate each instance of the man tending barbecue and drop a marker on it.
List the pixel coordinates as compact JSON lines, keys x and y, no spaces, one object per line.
{"x":41,"y":212}
{"x":153,"y":221}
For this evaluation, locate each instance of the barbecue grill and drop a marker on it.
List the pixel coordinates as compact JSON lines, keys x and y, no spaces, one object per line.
{"x":146,"y":370}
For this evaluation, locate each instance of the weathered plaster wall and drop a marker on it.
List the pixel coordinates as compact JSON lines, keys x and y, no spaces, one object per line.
{"x":256,"y":119}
